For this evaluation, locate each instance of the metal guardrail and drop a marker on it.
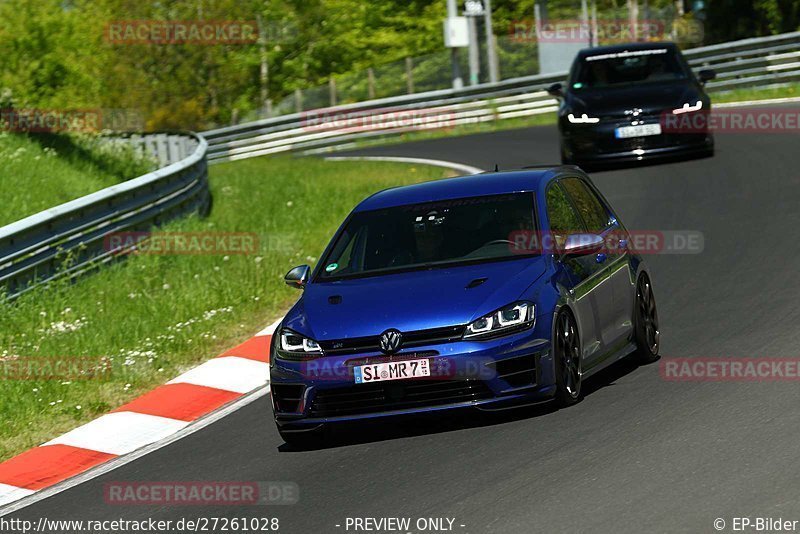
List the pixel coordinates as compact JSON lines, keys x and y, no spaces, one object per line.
{"x":166,"y":148}
{"x":70,"y":239}
{"x":749,"y":62}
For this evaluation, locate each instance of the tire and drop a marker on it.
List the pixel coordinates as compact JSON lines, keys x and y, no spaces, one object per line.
{"x":567,"y":360}
{"x":309,"y":439}
{"x":646,"y":333}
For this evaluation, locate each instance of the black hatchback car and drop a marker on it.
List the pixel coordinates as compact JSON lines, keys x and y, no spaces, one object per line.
{"x":620,"y":101}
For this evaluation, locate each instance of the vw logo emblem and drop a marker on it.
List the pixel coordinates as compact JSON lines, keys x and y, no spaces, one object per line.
{"x":635,"y":112}
{"x":390,"y":341}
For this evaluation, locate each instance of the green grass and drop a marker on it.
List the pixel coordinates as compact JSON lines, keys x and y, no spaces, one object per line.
{"x":738,"y":95}
{"x":38,"y":172}
{"x":156,"y":316}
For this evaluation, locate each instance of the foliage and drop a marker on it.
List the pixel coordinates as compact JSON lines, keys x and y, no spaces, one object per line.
{"x":56,"y":53}
{"x":736,"y":19}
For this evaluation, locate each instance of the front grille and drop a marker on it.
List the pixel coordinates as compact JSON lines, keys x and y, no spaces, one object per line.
{"x":665,"y":140}
{"x":369,"y":344}
{"x":371,"y":398}
{"x":287,"y":397}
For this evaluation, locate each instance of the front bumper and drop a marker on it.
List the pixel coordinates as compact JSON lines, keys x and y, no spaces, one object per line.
{"x":597,"y":143}
{"x":486,"y":375}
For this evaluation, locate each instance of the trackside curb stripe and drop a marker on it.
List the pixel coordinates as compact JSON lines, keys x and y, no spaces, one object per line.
{"x":256,"y":349}
{"x":46,"y":465}
{"x":185,"y":402}
{"x":230,"y":373}
{"x":120,"y":433}
{"x":9,"y":494}
{"x":155,"y":417}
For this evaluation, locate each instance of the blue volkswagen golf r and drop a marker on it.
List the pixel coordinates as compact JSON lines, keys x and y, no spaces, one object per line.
{"x":487,"y":291}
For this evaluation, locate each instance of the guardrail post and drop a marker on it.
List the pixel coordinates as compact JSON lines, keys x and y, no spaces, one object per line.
{"x":409,"y":75}
{"x":298,"y":100}
{"x":370,"y":84}
{"x":176,"y":152}
{"x":332,"y":90}
{"x":162,"y":147}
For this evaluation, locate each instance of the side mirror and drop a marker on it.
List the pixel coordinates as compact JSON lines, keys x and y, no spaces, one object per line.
{"x":706,"y":75}
{"x":583,"y":244}
{"x":556,"y":90}
{"x":298,"y":277}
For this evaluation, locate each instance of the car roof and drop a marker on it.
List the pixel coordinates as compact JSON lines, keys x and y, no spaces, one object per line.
{"x":488,"y":183}
{"x":611,"y":49}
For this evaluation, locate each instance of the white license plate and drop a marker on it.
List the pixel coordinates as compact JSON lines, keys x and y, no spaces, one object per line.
{"x":379,"y":372}
{"x":640,"y":130}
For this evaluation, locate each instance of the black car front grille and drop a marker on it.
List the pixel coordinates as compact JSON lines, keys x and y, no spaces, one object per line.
{"x":418,"y":338}
{"x":610,"y":144}
{"x":372,"y":398}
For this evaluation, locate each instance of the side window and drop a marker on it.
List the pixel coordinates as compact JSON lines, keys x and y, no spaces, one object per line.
{"x":563,"y":219}
{"x":588,"y":205}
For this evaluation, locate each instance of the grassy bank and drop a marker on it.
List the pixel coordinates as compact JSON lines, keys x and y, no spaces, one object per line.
{"x":41,"y":171}
{"x":741,"y":95}
{"x":155,"y":316}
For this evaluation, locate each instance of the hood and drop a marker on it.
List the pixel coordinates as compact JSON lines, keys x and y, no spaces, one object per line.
{"x":410,"y":301}
{"x":650,"y":98}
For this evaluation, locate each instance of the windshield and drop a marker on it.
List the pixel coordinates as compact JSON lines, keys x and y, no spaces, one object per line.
{"x":628,"y":67}
{"x":431,"y":234}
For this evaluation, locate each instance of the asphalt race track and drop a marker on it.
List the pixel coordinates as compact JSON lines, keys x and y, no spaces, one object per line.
{"x":638,"y":454}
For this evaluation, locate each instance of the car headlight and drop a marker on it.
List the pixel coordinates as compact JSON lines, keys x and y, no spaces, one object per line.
{"x":512,"y":318}
{"x":688,"y":107}
{"x":583,"y":119}
{"x":295,"y":346}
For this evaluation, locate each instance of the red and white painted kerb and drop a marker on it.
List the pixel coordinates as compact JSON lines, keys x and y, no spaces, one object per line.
{"x":146,"y":420}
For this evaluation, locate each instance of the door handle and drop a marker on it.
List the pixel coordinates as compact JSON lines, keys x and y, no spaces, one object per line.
{"x":601,"y":258}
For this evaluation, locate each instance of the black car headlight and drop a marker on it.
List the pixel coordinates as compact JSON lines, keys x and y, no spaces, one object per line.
{"x":688,"y":108}
{"x":582,"y":119}
{"x":507,"y":320}
{"x":293,"y":346}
